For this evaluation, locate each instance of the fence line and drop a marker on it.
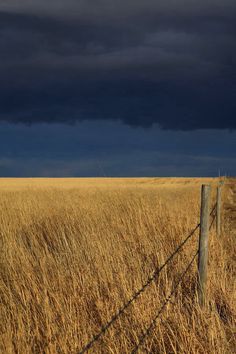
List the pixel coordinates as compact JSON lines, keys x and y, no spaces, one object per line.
{"x":149,"y":280}
{"x":153,"y":322}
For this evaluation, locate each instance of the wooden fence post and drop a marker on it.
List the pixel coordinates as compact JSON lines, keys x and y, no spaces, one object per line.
{"x":218,"y":211}
{"x":203,"y":243}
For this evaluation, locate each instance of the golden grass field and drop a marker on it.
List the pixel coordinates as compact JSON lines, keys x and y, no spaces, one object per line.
{"x":73,"y":250}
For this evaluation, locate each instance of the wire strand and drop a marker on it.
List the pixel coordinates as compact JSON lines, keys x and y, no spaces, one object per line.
{"x":153,"y":323}
{"x":212,"y":222}
{"x":151,"y":278}
{"x":213,"y":209}
{"x":213,"y":215}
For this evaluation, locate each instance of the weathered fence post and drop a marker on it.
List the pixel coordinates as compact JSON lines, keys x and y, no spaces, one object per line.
{"x":218,"y":211}
{"x":203,"y":243}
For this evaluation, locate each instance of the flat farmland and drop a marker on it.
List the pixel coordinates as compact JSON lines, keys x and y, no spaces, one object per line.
{"x":74,"y":250}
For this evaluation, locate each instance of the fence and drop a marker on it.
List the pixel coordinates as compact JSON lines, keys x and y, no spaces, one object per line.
{"x":204,"y":227}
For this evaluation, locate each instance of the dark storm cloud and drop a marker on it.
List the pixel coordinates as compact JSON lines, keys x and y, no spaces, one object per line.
{"x":93,"y":148}
{"x":170,"y":63}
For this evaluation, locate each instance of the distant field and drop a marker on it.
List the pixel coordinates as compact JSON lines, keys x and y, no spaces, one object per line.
{"x":73,"y":250}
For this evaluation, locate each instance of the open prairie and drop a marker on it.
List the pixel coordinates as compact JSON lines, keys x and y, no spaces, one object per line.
{"x":74,"y":250}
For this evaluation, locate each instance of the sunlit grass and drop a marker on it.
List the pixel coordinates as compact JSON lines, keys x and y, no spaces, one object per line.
{"x":73,"y":250}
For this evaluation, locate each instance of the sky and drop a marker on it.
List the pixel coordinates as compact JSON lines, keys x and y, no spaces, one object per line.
{"x":117,"y":88}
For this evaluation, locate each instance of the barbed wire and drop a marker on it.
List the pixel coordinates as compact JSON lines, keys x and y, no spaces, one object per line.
{"x":213,"y":209}
{"x":151,"y":278}
{"x":212,"y":222}
{"x":213,"y":215}
{"x":153,"y":322}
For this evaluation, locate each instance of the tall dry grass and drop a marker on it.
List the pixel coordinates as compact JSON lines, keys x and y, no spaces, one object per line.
{"x":72,"y":251}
